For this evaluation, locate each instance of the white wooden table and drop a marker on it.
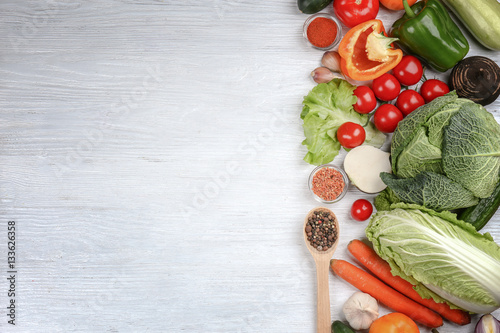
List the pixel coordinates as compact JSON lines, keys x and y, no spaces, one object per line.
{"x":151,"y":158}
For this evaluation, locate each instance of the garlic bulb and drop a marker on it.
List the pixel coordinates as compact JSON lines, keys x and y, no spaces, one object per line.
{"x":360,"y":310}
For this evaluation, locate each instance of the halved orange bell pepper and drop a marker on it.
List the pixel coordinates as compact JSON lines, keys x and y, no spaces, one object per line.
{"x":366,"y":52}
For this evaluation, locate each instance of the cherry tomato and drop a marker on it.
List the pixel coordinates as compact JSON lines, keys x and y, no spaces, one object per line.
{"x":386,"y":87}
{"x":387,"y":117}
{"x":409,"y":70}
{"x":433,"y":88}
{"x":394,"y":323}
{"x":354,"y":12}
{"x":366,"y":100}
{"x":351,"y":135}
{"x":361,"y":210}
{"x":408,"y":101}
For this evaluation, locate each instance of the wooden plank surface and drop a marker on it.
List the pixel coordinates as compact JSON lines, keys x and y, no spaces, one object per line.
{"x":150,"y":154}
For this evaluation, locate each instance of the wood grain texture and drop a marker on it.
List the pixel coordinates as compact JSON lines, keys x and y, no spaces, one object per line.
{"x":144,"y":149}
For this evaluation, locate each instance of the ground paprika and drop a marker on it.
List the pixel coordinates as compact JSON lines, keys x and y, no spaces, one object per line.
{"x":322,"y":32}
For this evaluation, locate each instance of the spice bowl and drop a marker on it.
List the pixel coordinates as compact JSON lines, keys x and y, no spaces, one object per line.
{"x":322,"y":32}
{"x":328,"y":184}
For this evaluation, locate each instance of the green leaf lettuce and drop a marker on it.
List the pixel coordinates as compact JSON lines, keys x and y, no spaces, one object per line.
{"x":325,"y":108}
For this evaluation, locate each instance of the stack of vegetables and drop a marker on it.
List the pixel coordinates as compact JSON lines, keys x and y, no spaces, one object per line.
{"x":442,"y":183}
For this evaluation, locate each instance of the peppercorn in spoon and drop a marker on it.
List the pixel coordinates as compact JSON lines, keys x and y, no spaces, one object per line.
{"x":321,"y":234}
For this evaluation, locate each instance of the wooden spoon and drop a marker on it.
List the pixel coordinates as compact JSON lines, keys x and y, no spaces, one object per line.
{"x":322,"y":260}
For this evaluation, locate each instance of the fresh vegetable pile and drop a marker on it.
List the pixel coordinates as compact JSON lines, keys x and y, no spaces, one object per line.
{"x":440,"y":182}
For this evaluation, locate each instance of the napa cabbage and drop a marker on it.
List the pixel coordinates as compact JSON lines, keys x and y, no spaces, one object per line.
{"x":446,"y":258}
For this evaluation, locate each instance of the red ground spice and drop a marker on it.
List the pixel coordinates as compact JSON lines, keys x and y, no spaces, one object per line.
{"x":328,"y":184}
{"x":321,"y":32}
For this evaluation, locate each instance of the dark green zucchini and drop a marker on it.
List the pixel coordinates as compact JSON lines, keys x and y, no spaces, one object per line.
{"x":481,"y":213}
{"x":312,"y":6}
{"x":340,"y":327}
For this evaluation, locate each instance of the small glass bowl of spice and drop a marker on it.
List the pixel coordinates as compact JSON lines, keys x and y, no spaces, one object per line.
{"x":322,"y":31}
{"x":328,"y":183}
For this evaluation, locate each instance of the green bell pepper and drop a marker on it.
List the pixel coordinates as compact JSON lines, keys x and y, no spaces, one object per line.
{"x":427,"y":30}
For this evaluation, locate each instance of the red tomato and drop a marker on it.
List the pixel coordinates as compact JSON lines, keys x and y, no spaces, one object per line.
{"x":351,"y":135}
{"x":408,"y":101}
{"x":366,"y":100}
{"x":354,"y":12}
{"x":409,"y":70}
{"x":387,"y":117}
{"x":433,"y":88}
{"x":386,"y":87}
{"x":361,"y":210}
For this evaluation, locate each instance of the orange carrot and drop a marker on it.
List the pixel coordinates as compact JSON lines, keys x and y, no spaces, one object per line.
{"x":381,"y":269}
{"x":369,"y":284}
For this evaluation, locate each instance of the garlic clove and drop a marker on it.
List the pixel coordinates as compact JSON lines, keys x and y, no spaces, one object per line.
{"x":331,"y":60}
{"x":360,"y":310}
{"x":323,"y":75}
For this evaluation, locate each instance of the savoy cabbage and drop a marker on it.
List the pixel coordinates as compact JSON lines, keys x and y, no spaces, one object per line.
{"x":447,"y":152}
